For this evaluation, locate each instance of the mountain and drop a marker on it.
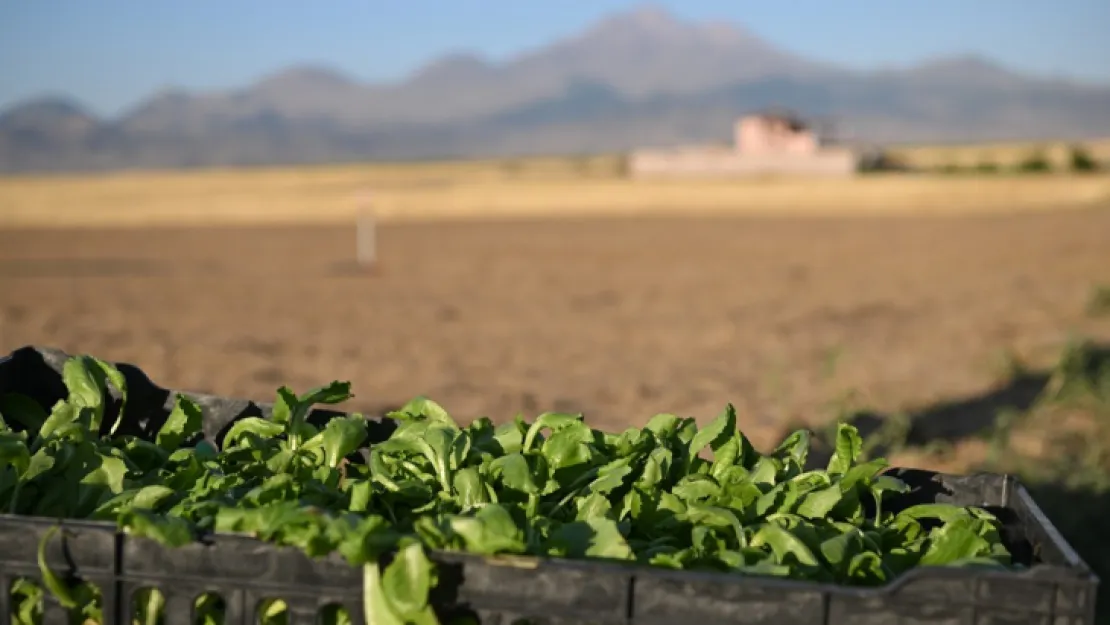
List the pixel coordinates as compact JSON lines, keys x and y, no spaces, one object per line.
{"x":642,"y":77}
{"x":41,"y":132}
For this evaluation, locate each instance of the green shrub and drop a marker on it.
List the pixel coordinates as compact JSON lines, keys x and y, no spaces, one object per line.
{"x":1098,"y":302}
{"x":880,"y":161}
{"x":1080,"y":159}
{"x":1036,"y":162}
{"x":987,"y":167}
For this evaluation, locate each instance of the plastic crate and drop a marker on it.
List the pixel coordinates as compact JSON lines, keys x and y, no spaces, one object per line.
{"x":1057,"y":589}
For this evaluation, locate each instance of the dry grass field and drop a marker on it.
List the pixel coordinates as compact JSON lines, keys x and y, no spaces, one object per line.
{"x":497,"y":293}
{"x":620,"y":318}
{"x":527,"y":188}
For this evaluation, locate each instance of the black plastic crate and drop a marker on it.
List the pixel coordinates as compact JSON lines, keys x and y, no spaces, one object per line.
{"x":1057,"y":589}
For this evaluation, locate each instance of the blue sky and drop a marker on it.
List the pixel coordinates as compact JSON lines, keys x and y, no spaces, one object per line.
{"x":109,"y":54}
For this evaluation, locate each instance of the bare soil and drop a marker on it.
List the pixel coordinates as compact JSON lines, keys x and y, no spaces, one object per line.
{"x":620,"y":319}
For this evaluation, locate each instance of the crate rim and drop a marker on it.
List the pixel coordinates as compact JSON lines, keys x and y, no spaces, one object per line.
{"x":1077,"y":571}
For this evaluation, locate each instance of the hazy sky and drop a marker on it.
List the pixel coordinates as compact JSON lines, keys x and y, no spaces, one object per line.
{"x":109,"y":54}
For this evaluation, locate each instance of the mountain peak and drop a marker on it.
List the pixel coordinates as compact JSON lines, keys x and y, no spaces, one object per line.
{"x":964,"y":68}
{"x":48,"y":121}
{"x":306,"y":77}
{"x":962,"y":63}
{"x":647,"y":21}
{"x":47,"y":111}
{"x":51,"y":106}
{"x":655,"y":23}
{"x":647,"y":16}
{"x":453,"y":65}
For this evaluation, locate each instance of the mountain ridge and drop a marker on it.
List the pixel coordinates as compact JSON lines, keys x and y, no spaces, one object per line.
{"x":642,"y":77}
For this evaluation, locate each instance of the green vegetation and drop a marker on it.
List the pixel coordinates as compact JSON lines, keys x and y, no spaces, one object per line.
{"x":880,"y":161}
{"x":1098,"y":304}
{"x":1035,"y":163}
{"x":669,"y":494}
{"x":984,"y":168}
{"x":1050,"y":428}
{"x":1081,"y":160}
{"x":987,"y":167}
{"x":1069,"y":476}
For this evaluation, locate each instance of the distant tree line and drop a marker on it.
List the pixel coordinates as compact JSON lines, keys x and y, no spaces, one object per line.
{"x":1079,"y":160}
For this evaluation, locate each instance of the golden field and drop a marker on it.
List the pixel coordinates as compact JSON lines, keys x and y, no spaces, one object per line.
{"x":536,"y":187}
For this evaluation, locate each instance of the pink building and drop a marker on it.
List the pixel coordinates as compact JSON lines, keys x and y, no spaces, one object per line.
{"x":774,"y":133}
{"x":772,"y":143}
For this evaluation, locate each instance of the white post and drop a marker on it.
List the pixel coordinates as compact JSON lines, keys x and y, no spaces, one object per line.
{"x":366,"y":234}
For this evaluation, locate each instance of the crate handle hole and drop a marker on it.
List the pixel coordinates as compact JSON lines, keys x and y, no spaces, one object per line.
{"x":148,"y":606}
{"x":271,"y":612}
{"x":333,"y":614}
{"x":208,"y":608}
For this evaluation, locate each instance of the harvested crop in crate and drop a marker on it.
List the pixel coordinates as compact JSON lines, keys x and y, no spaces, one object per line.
{"x":669,"y":494}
